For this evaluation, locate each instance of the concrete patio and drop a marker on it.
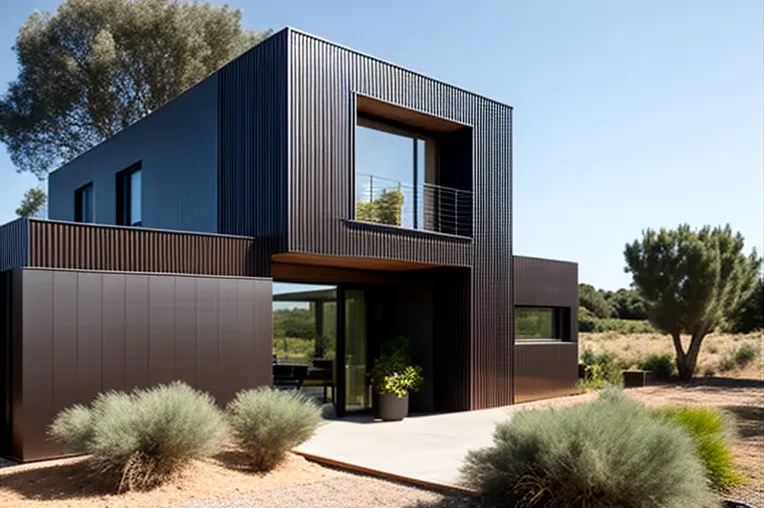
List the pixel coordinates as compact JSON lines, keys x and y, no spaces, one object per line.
{"x":427,"y":449}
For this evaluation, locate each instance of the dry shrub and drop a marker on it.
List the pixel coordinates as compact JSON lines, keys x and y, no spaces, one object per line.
{"x":608,"y":453}
{"x":267,"y":423}
{"x":143,"y":438}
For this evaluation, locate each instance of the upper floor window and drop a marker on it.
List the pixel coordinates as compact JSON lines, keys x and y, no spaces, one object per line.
{"x":412,"y":170}
{"x":83,"y":203}
{"x":129,"y":202}
{"x":538,"y":323}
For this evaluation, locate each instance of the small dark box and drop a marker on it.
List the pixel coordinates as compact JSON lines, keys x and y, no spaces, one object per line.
{"x":636,"y":378}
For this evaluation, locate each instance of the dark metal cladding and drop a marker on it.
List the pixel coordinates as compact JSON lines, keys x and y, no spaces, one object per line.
{"x":14,"y":244}
{"x":6,"y":365}
{"x":324,"y":81}
{"x":543,"y":371}
{"x":548,"y":283}
{"x":114,"y":248}
{"x":549,"y":369}
{"x":252,"y":188}
{"x":177,"y":148}
{"x":108,"y":331}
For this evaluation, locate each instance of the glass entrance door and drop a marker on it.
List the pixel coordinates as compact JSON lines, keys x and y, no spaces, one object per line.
{"x":355,"y":390}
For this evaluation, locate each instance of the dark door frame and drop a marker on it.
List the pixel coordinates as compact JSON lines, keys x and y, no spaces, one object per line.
{"x":339,"y":361}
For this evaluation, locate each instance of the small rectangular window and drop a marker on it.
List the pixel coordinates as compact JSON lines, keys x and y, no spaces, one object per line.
{"x":538,"y":323}
{"x":129,"y":196}
{"x":83,"y":204}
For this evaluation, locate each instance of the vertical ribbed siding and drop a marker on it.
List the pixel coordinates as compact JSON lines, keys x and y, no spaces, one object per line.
{"x":547,"y":283}
{"x":94,"y":247}
{"x":323,"y":80}
{"x":14,"y":251}
{"x":252,"y":97}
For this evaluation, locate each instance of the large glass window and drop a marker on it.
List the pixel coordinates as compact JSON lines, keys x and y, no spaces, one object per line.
{"x":392,"y":168}
{"x":305,"y":338}
{"x":83,"y":204}
{"x":537,"y":323}
{"x":129,"y":196}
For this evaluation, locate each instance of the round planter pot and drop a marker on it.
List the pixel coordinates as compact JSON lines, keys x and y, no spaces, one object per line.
{"x":392,"y":408}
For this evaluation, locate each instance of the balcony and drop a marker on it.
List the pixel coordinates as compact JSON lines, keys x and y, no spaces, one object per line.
{"x":425,"y":206}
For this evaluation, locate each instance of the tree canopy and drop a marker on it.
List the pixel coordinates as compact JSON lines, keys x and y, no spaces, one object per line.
{"x":96,"y":66}
{"x":594,"y":301}
{"x":32,"y":203}
{"x":691,"y":281}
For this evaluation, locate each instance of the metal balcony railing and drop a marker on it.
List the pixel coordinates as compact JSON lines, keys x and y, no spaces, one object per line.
{"x":425,"y":206}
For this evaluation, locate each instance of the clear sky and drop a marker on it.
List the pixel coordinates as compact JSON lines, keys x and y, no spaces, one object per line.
{"x":627,"y":114}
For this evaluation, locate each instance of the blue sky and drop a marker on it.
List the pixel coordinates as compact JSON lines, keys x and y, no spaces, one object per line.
{"x":627,"y":114}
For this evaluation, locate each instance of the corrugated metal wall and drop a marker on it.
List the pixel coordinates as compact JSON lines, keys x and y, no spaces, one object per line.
{"x":253,"y":143}
{"x":14,"y":244}
{"x":96,"y":247}
{"x":89,"y":332}
{"x":322,"y":83}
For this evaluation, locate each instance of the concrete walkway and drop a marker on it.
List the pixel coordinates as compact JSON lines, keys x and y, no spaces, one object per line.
{"x":422,"y":448}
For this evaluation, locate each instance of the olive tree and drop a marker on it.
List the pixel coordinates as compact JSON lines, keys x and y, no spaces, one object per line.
{"x":691,"y":281}
{"x":95,"y":66}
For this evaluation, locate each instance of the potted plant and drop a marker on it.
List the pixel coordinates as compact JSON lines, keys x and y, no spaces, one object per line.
{"x":394,"y":377}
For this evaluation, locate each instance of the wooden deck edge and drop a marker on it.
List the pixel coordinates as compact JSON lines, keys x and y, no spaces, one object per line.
{"x":443,"y":488}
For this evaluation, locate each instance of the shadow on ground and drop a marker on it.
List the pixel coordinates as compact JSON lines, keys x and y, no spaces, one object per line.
{"x":750,"y":420}
{"x":76,"y":480}
{"x":725,"y":382}
{"x":450,"y":502}
{"x":57,"y":481}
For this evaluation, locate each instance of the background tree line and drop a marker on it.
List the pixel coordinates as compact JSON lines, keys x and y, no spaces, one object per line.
{"x":601,"y":310}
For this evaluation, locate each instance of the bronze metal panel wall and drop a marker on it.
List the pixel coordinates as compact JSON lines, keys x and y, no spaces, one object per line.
{"x":54,"y":244}
{"x":545,"y":370}
{"x":324,"y":82}
{"x":6,"y":364}
{"x":166,"y":328}
{"x":14,"y":251}
{"x":548,"y":283}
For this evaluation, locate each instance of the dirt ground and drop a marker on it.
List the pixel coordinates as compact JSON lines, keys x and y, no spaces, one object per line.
{"x":716,"y":358}
{"x":223,"y":481}
{"x":219,"y":482}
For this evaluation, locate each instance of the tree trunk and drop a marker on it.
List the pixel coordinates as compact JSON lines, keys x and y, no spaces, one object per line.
{"x":686,"y":362}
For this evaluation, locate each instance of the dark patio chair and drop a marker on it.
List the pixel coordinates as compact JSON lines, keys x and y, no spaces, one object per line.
{"x":289,"y":377}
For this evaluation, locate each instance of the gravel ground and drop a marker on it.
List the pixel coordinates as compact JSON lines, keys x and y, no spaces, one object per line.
{"x":343,"y":491}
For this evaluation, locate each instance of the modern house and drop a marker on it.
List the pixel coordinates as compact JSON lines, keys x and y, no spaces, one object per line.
{"x":164,"y":241}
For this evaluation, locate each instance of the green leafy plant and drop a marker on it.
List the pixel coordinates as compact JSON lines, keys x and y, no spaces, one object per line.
{"x":393,"y":372}
{"x":600,"y":370}
{"x":745,"y":355}
{"x":711,"y":433}
{"x":662,"y":366}
{"x":726,"y":364}
{"x":267,"y":423}
{"x":386,"y":209}
{"x":142,"y":438}
{"x":606,"y":453}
